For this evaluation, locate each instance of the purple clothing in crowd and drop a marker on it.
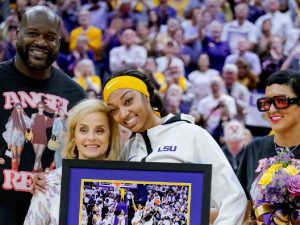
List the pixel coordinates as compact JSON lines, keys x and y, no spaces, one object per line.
{"x":255,"y":12}
{"x":10,"y":51}
{"x":163,"y":16}
{"x":217,"y":52}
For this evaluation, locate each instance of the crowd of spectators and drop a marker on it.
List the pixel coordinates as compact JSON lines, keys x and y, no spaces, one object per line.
{"x":139,"y":204}
{"x":99,"y":204}
{"x":205,"y":57}
{"x":169,"y":204}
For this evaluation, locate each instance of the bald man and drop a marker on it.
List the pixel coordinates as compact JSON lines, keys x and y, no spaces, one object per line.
{"x":32,"y":91}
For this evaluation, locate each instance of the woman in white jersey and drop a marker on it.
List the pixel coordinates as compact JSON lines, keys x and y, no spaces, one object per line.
{"x":138,"y":212}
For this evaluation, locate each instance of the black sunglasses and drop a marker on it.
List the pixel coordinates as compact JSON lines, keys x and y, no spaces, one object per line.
{"x":279,"y":102}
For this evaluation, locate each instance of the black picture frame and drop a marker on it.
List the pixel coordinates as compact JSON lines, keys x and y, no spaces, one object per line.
{"x":79,"y":177}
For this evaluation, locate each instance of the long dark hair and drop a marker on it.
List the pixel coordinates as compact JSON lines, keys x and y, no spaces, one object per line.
{"x":155,"y":100}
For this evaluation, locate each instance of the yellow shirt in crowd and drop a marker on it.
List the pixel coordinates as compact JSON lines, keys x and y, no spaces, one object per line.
{"x":94,"y":36}
{"x":83,"y":83}
{"x":161,"y":80}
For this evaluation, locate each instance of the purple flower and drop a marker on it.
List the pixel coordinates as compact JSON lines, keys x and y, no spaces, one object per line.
{"x":276,"y":192}
{"x":284,"y":157}
{"x":294,"y":185}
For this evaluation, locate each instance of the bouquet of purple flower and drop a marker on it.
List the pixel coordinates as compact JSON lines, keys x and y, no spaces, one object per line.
{"x":276,"y":190}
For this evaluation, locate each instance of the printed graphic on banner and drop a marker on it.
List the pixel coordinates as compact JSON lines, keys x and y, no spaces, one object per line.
{"x":32,"y":117}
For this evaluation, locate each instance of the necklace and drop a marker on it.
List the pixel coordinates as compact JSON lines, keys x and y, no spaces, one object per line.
{"x":281,"y":149}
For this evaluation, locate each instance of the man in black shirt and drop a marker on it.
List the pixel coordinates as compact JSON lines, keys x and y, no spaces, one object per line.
{"x":33,"y":93}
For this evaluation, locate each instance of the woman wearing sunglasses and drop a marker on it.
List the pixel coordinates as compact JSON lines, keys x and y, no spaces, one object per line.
{"x":281,"y":108}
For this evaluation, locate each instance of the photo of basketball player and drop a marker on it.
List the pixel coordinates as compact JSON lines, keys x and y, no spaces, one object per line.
{"x":140,"y":204}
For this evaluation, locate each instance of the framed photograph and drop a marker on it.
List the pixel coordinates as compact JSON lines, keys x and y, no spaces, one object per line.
{"x":134,"y":193}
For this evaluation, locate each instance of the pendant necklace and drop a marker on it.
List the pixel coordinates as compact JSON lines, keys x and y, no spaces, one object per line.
{"x":282,"y":149}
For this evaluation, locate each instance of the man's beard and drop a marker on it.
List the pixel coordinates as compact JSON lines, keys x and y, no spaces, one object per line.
{"x":23,"y":52}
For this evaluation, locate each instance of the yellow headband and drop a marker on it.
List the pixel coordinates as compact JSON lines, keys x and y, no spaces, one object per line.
{"x":124,"y":82}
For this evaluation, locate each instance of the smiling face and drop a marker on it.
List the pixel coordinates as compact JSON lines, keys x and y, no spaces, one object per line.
{"x":283,"y":120}
{"x":92,"y":136}
{"x":38,"y":41}
{"x":131,"y":109}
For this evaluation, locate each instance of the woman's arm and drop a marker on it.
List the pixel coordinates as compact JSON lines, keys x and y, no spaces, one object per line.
{"x":133,"y":203}
{"x":39,"y":210}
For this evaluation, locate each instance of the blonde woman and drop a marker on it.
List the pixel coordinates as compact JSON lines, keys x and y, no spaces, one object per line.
{"x":91,"y":134}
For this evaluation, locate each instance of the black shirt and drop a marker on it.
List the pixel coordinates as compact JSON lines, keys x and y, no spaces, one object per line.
{"x":59,"y":91}
{"x":259,"y":148}
{"x":233,"y":160}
